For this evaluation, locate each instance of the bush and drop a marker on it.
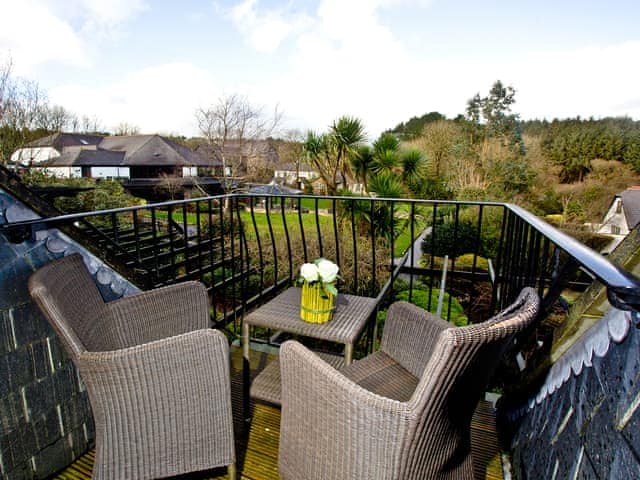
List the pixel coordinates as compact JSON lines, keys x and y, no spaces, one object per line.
{"x":446,"y":239}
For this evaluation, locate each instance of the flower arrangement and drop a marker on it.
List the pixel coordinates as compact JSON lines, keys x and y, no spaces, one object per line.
{"x":318,"y":281}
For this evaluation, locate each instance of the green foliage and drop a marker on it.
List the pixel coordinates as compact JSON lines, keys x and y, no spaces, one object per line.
{"x":415,"y":125}
{"x":573,"y":144}
{"x":491,"y":117}
{"x":513,"y":176}
{"x":420,"y":296}
{"x":107,"y":194}
{"x":449,"y":239}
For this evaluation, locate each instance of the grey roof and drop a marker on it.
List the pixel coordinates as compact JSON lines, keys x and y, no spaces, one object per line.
{"x":94,"y":158}
{"x":59,"y":141}
{"x":631,"y":205}
{"x":150,"y":150}
{"x":209,"y":155}
{"x":238,"y":148}
{"x":274,"y":189}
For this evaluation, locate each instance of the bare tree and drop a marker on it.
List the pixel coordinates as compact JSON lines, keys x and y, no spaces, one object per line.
{"x":234,"y":118}
{"x":125,"y":128}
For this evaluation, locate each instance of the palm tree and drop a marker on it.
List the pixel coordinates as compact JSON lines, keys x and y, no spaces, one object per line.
{"x":361,"y":165}
{"x":330,"y":153}
{"x":347,"y":135}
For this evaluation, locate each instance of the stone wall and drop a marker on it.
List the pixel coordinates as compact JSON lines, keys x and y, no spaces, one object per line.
{"x":585,"y":421}
{"x":45,"y":416}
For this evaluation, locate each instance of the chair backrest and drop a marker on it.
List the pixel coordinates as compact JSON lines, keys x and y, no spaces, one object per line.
{"x":69,"y":298}
{"x":456,"y":376}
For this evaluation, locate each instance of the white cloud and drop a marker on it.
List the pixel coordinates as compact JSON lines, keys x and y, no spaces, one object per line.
{"x":265,"y":31}
{"x":31,"y":35}
{"x":35,"y":32}
{"x":162,"y":98}
{"x":349,"y":62}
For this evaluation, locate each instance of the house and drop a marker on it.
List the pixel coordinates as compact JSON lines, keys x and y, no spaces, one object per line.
{"x":291,"y":174}
{"x":70,"y":155}
{"x":622,"y":217}
{"x":53,"y":146}
{"x":148,"y":165}
{"x":240,"y":156}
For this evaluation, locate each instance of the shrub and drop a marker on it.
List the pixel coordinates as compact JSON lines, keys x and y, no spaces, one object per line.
{"x":446,"y":239}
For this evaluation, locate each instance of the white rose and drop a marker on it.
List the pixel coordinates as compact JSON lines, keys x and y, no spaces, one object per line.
{"x":328,"y":270}
{"x":309,"y":272}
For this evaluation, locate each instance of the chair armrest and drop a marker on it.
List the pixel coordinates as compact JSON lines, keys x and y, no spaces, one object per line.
{"x":169,"y":395}
{"x":160,"y":313}
{"x":410,"y":334}
{"x":331,"y":428}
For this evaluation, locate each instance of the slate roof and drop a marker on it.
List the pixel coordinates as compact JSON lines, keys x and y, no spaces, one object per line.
{"x":274,"y":189}
{"x":59,"y":141}
{"x":94,"y":158}
{"x":631,"y":205}
{"x":150,"y":150}
{"x":129,"y":150}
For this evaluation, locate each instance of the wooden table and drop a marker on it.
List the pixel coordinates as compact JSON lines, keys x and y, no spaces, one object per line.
{"x":283,"y":313}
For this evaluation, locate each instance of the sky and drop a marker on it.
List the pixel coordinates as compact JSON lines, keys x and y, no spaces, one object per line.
{"x":152,"y":63}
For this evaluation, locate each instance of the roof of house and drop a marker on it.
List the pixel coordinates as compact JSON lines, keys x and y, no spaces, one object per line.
{"x":239,"y":148}
{"x":129,"y":150}
{"x":150,"y":150}
{"x":59,"y":141}
{"x":274,"y":189}
{"x":93,"y":158}
{"x":631,"y":205}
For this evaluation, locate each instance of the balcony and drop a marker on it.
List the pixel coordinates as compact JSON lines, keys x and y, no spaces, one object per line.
{"x":463,"y":260}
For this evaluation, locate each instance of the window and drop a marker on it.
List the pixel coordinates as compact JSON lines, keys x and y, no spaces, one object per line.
{"x":618,"y":206}
{"x":615,"y":229}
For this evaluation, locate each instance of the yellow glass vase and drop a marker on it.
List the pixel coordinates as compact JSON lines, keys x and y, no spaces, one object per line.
{"x":316,"y":305}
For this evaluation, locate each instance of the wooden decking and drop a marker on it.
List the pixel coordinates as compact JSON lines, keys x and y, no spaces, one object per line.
{"x":257,"y":449}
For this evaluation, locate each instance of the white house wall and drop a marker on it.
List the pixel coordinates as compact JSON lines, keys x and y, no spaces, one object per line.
{"x":614,"y":225}
{"x":110,"y":172}
{"x":189,"y":171}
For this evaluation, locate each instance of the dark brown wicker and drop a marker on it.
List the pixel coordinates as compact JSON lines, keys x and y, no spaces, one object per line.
{"x":157,"y":376}
{"x":402,"y":413}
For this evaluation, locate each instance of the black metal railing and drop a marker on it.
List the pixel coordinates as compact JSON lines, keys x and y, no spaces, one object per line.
{"x":247,"y":248}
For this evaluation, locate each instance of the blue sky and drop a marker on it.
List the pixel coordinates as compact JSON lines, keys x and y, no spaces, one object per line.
{"x":152,"y":63}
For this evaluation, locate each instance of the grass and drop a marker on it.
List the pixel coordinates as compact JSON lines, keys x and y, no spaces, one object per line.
{"x":310,"y":203}
{"x":401,"y":243}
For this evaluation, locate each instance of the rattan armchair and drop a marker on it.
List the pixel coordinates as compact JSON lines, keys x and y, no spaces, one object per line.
{"x":156,"y":374}
{"x":403,"y":412}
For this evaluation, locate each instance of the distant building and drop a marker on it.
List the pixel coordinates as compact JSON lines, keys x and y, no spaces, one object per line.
{"x":241,"y":156}
{"x":622,"y":217}
{"x":70,"y":155}
{"x":147,"y":164}
{"x":289,"y":174}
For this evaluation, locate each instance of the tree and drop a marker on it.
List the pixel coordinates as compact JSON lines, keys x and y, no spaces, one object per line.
{"x":234,"y":118}
{"x":438,"y":141}
{"x":331,"y":152}
{"x":126,"y":128}
{"x":26,"y":114}
{"x":491,"y":116}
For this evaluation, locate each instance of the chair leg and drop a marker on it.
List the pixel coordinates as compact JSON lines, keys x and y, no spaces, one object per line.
{"x":231,"y":470}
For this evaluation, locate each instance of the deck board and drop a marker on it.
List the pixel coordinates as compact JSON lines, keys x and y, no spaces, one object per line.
{"x":257,"y":449}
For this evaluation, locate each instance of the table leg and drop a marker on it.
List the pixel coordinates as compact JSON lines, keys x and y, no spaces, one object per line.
{"x":348,"y":353}
{"x":246,"y":372}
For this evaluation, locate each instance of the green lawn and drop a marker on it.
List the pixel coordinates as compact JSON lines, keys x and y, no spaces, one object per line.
{"x":401,"y":244}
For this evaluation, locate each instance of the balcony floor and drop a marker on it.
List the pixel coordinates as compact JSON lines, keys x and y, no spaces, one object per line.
{"x":257,"y":450}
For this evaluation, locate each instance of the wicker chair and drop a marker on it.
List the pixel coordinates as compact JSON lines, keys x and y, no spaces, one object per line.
{"x":157,"y":376}
{"x":403,"y":412}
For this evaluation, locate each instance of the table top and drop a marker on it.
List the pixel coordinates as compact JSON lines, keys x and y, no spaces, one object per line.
{"x":283,"y":313}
